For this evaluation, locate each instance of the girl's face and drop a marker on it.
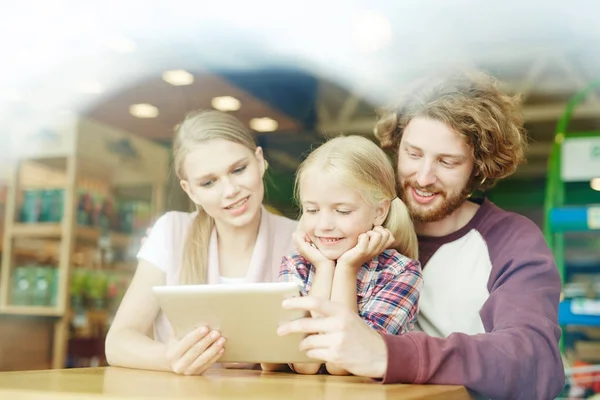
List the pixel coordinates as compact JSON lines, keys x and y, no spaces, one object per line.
{"x":225,"y":179}
{"x":334,"y":215}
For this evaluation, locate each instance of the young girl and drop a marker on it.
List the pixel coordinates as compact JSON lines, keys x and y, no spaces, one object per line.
{"x":347,"y":191}
{"x":231,"y":237}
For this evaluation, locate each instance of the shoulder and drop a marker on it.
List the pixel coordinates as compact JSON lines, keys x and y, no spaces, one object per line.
{"x":392,"y":261}
{"x":171,"y":220}
{"x":505,"y":231}
{"x":297,"y":260}
{"x":518,"y":249}
{"x":281,"y":231}
{"x":280,"y":223}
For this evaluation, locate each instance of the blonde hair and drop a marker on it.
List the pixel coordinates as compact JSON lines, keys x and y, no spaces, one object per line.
{"x":199,"y":127}
{"x":361,"y":165}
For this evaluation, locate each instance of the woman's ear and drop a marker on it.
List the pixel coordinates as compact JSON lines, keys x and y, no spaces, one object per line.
{"x":381,"y":212}
{"x":260,"y":158}
{"x":185,"y":185}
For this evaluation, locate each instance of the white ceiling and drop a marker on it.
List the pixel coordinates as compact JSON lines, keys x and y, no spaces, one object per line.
{"x":544,"y":49}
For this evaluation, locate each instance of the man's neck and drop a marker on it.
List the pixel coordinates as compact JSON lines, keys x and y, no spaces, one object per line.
{"x":238,"y":238}
{"x":451,"y":223}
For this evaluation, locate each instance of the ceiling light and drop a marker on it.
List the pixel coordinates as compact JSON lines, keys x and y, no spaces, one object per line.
{"x":143,"y":110}
{"x":90,"y":87}
{"x":263,"y":124}
{"x":225,"y":103}
{"x":178,"y":77}
{"x":372,"y":32}
{"x":595,"y":184}
{"x":120,"y":44}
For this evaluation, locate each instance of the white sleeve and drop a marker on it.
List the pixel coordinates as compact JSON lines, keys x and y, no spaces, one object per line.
{"x":157,"y":245}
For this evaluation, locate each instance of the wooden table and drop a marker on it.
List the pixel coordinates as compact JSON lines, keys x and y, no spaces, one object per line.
{"x":127,"y":384}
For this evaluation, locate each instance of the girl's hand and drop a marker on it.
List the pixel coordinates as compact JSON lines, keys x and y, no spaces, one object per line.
{"x":369,"y":245}
{"x":310,"y":251}
{"x":195,"y":352}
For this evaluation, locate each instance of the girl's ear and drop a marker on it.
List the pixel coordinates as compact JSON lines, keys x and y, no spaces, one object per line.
{"x":381,"y":212}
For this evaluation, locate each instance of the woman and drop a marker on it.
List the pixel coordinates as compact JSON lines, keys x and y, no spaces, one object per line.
{"x":230,"y":238}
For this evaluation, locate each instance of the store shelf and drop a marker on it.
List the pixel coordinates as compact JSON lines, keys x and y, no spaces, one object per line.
{"x":54,"y":230}
{"x":39,"y":311}
{"x":579,"y":312}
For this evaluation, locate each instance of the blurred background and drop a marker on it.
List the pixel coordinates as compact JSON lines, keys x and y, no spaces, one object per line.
{"x":90,"y":93}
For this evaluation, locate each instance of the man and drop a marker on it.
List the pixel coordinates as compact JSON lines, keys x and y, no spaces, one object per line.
{"x":488,"y":309}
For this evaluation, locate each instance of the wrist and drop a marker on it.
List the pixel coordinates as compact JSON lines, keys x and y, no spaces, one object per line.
{"x":325,"y":266}
{"x":379,"y":363}
{"x":346,"y":268}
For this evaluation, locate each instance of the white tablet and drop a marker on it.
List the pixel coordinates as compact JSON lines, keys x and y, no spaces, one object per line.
{"x":246,"y":314}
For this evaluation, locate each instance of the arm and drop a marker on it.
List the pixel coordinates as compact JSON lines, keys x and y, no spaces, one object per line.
{"x":518,"y":356}
{"x":296,"y":269}
{"x":392,"y":305}
{"x":127,"y":341}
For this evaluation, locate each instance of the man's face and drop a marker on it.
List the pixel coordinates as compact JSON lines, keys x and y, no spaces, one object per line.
{"x":434,"y":169}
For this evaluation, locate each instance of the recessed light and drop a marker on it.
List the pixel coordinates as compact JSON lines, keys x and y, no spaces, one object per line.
{"x":178,"y":77}
{"x":264,"y":124}
{"x":225,"y":103}
{"x":595,"y":184}
{"x":143,"y":110}
{"x":119,"y":44}
{"x":90,"y":87}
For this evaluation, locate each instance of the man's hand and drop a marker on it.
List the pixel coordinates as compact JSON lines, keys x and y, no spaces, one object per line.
{"x":369,"y":245}
{"x":340,"y":337}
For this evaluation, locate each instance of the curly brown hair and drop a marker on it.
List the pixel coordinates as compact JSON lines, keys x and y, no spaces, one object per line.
{"x":472,"y":105}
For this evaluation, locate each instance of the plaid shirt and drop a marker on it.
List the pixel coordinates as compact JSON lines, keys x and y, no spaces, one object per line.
{"x":387,"y":288}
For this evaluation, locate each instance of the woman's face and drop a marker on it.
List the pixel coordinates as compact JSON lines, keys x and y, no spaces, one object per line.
{"x":225,"y":179}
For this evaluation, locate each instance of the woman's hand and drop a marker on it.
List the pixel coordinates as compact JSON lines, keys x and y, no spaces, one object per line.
{"x":195,"y":352}
{"x":310,"y":251}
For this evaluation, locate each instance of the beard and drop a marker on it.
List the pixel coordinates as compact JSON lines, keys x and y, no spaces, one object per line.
{"x":447,"y":204}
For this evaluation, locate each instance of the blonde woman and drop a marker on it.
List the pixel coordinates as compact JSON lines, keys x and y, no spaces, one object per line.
{"x":347,"y":191}
{"x":230,"y":238}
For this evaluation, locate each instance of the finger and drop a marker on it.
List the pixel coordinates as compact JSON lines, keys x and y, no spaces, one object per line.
{"x":207,"y":358}
{"x":195,"y":351}
{"x":387,"y":238}
{"x":187,"y":342}
{"x":375,"y":242}
{"x":312,"y":342}
{"x":322,"y":354}
{"x":325,"y":308}
{"x":363,"y":243}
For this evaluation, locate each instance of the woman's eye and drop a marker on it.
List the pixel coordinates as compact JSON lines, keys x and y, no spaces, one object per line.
{"x":239,"y":170}
{"x":344,"y":212}
{"x":310,"y":211}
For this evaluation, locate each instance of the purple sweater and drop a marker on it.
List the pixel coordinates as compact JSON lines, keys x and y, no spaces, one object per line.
{"x":488,"y":316}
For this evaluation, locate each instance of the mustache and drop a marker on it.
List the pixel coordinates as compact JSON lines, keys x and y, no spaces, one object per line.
{"x":429,"y":188}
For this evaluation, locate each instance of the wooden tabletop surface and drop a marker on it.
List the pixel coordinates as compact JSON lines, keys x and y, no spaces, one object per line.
{"x":126,"y":384}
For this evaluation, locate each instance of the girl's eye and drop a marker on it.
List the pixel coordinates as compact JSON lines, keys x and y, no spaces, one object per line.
{"x":343,"y":212}
{"x":239,"y":170}
{"x":310,"y":211}
{"x":448,"y":164}
{"x":207,"y":184}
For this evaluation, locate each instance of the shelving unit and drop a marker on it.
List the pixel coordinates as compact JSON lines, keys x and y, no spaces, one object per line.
{"x":51,"y":218}
{"x":572,"y":219}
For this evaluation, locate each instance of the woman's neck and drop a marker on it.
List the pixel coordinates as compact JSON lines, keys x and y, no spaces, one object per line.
{"x":238,"y":238}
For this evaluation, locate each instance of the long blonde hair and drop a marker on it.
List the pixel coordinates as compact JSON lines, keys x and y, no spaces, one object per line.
{"x":362,"y":165}
{"x":196,"y":128}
